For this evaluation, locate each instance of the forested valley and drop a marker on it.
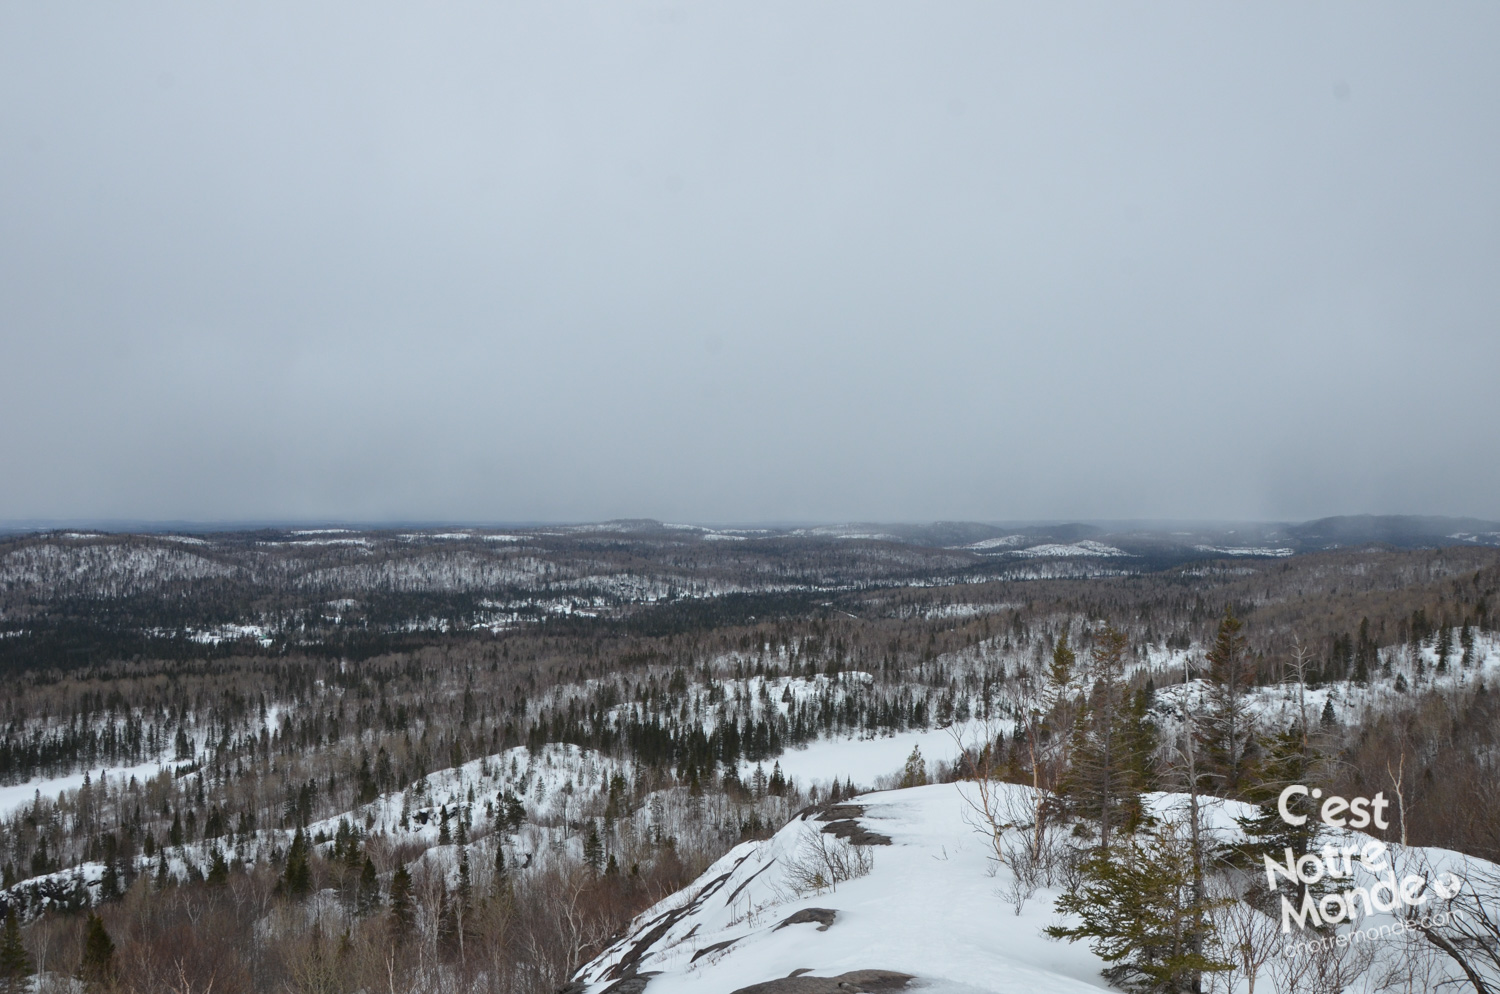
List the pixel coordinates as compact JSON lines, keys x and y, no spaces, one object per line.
{"x":338,"y":761}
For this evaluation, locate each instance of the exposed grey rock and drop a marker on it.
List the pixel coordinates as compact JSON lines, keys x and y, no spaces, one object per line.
{"x":823,"y":916}
{"x":853,"y":982}
{"x":630,"y":985}
{"x":713,"y":949}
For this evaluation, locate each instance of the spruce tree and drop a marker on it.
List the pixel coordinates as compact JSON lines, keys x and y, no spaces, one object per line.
{"x":1290,"y":760}
{"x":367,"y":897}
{"x":1104,"y":782}
{"x":1138,"y":908}
{"x":1230,"y":745}
{"x":297,"y":878}
{"x":218,"y":870}
{"x":403,"y":913}
{"x":96,"y":967}
{"x":593,"y":849}
{"x":15,"y":963}
{"x":502,"y":882}
{"x":778,"y":781}
{"x":915,"y":772}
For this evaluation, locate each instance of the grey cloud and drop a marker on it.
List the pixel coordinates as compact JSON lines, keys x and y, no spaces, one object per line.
{"x":748,"y":262}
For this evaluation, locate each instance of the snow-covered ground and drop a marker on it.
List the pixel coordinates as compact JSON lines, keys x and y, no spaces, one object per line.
{"x":864,"y":760}
{"x":929,"y":908}
{"x":933,"y":905}
{"x":17,"y":796}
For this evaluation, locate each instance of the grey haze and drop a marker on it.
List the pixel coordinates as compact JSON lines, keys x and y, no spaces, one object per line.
{"x":740,"y":262}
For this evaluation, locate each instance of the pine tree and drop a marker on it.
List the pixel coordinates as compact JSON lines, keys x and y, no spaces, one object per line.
{"x":1137,"y":906}
{"x":96,"y":968}
{"x":15,"y":964}
{"x":1230,"y":744}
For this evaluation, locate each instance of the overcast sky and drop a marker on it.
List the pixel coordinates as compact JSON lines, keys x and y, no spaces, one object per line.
{"x":747,"y":262}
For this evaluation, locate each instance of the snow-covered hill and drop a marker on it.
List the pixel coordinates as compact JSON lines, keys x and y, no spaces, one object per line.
{"x":930,"y":907}
{"x":927,"y":908}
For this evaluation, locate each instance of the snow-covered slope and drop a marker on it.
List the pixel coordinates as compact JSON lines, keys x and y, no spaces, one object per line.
{"x":930,"y":907}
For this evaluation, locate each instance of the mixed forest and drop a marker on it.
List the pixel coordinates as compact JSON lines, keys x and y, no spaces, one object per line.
{"x":339,"y":761}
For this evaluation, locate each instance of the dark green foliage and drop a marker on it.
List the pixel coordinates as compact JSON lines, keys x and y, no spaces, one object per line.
{"x":1136,"y":907}
{"x":97,"y":966}
{"x":218,"y":870}
{"x":1290,"y":760}
{"x":15,"y":963}
{"x":1227,"y":731}
{"x":777,"y":784}
{"x":593,"y":849}
{"x":914,"y":774}
{"x":297,"y":877}
{"x":1106,"y":778}
{"x":367,"y":896}
{"x":403,"y":912}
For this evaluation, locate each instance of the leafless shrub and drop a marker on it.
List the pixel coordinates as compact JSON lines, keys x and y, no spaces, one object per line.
{"x":1244,"y":937}
{"x":822,"y":862}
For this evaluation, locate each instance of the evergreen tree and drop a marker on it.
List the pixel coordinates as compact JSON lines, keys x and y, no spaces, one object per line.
{"x":915,"y":772}
{"x":1230,"y":745}
{"x":1364,"y":653}
{"x":1142,"y":736}
{"x":1290,"y":760}
{"x":218,"y":870}
{"x":367,"y":897}
{"x":403,"y":913}
{"x":297,"y":878}
{"x":465,"y":886}
{"x":502,"y":882}
{"x":96,"y":967}
{"x":447,"y":919}
{"x":593,"y":849}
{"x":1104,"y":782}
{"x":777,"y":785}
{"x":1137,"y":907}
{"x":15,"y":963}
